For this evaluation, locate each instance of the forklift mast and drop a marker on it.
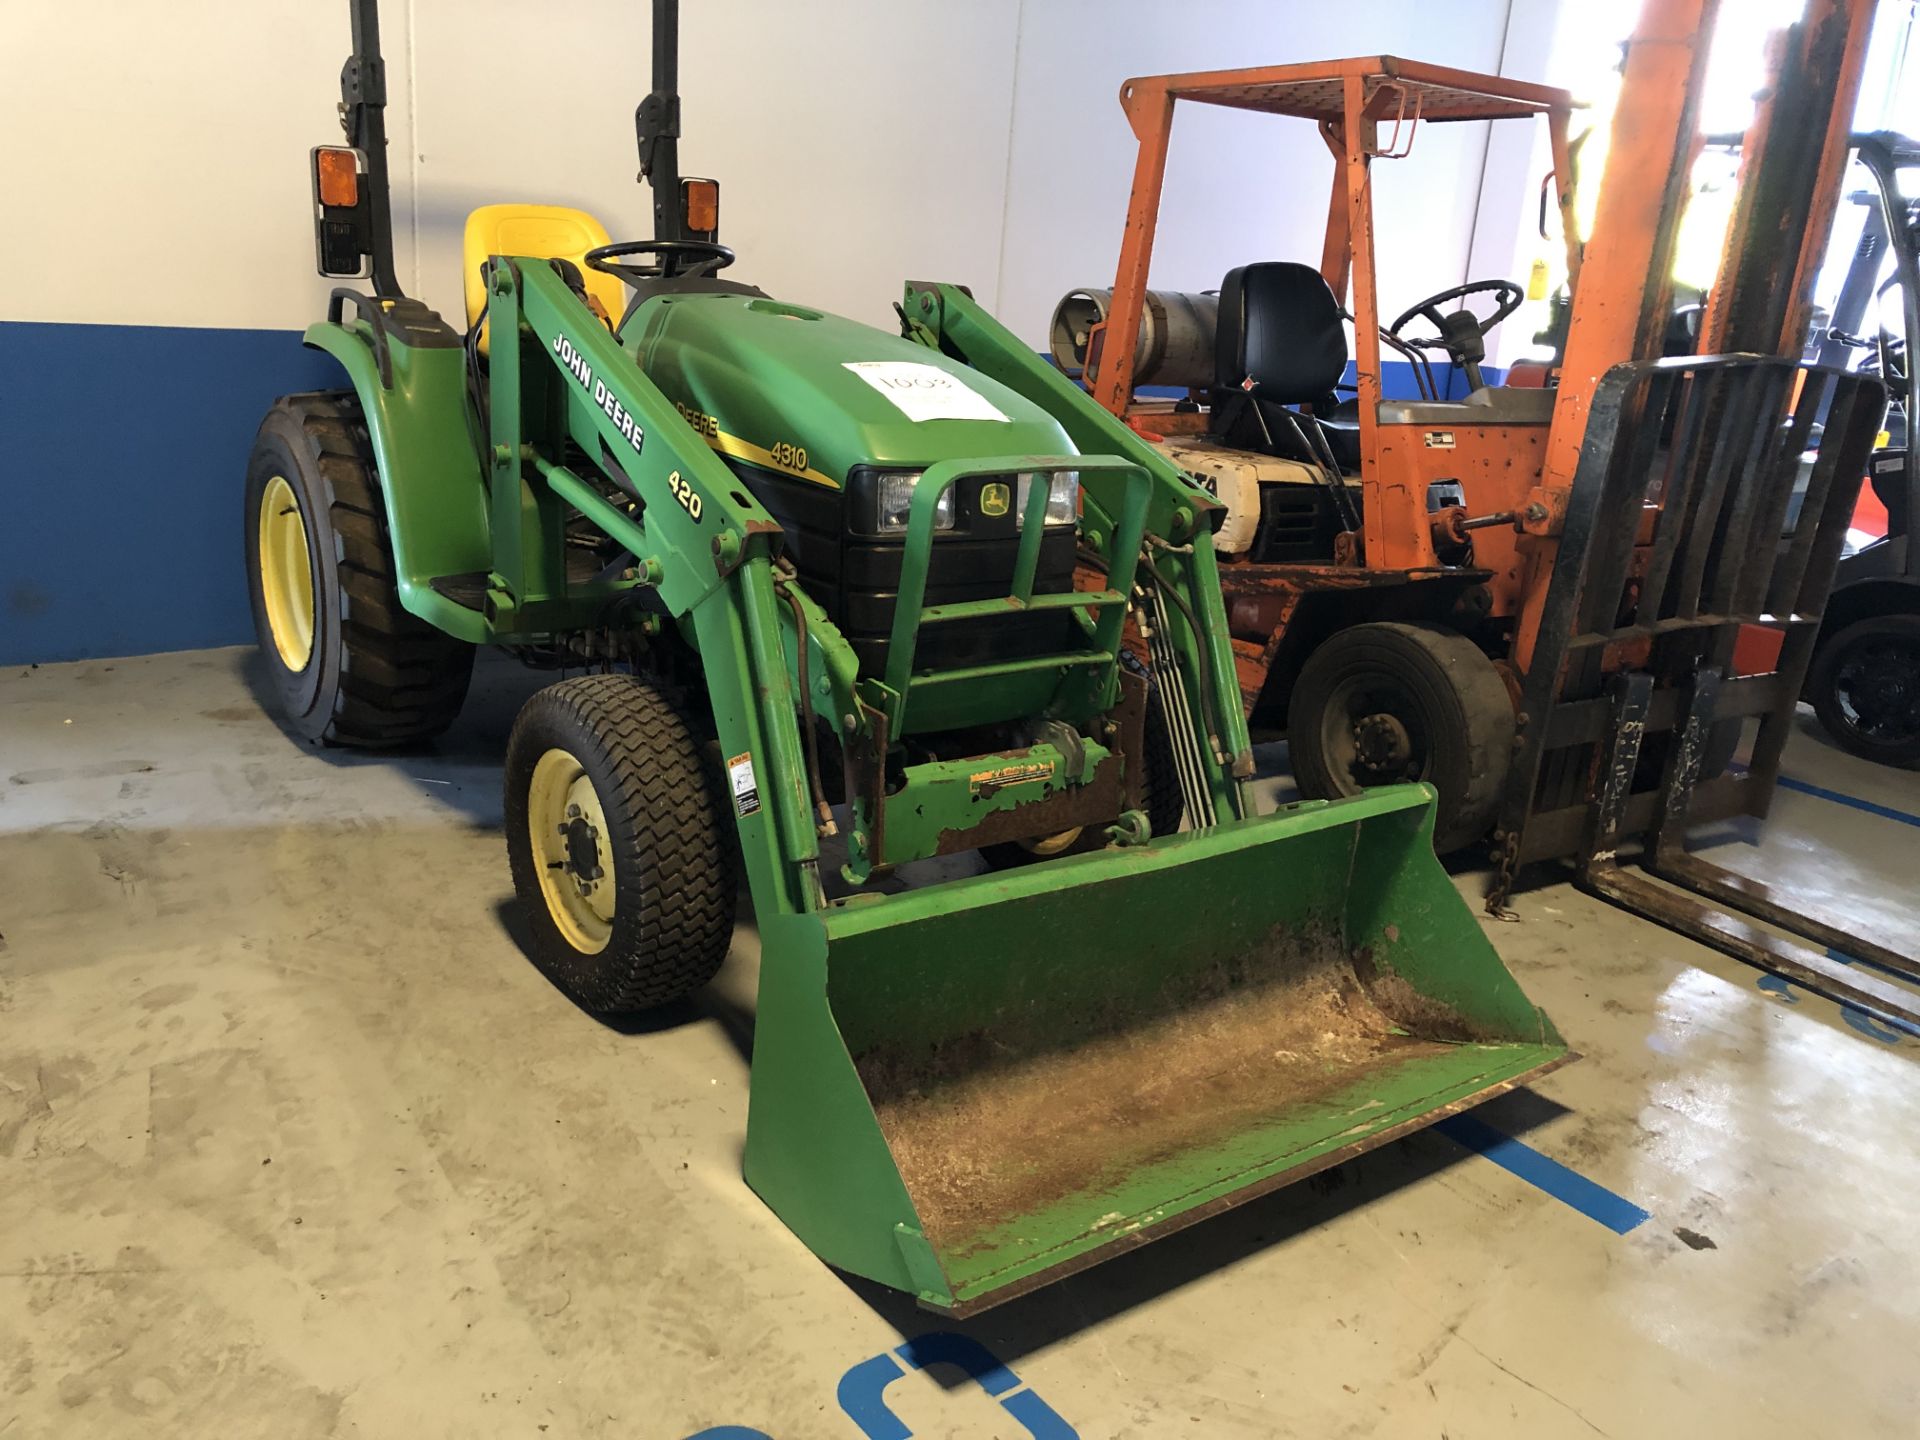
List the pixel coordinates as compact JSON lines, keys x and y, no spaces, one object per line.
{"x":1789,"y":186}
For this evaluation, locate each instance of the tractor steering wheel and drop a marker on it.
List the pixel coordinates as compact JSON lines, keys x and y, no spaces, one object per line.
{"x":677,"y":258}
{"x":1463,"y":335}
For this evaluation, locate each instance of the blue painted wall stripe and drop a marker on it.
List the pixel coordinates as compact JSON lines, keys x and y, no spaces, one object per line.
{"x":1594,"y":1201}
{"x":1396,"y":381}
{"x":123,"y":453}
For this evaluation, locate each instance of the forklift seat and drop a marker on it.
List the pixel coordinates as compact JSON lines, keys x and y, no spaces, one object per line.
{"x":1280,"y":328}
{"x":548,"y":232}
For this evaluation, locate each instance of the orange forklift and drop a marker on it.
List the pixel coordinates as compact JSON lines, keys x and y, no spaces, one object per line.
{"x":1371,"y":553}
{"x":1529,"y":596}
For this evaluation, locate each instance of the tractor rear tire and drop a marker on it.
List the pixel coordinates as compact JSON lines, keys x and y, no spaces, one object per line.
{"x":620,"y":840}
{"x":350,"y":664}
{"x":1386,"y":702}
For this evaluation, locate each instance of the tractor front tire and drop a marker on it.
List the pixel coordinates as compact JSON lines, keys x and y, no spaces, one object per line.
{"x":350,"y":665}
{"x":620,"y":841}
{"x":1382,"y":703}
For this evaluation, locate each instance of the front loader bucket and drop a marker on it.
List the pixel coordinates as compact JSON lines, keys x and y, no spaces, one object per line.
{"x":970,"y":1090}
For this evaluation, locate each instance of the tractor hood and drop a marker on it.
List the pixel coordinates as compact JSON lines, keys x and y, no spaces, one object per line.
{"x":804,"y":393}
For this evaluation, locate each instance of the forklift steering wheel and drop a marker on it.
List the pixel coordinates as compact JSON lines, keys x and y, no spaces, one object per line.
{"x":677,"y":257}
{"x":1456,"y":326}
{"x":1463,"y":335}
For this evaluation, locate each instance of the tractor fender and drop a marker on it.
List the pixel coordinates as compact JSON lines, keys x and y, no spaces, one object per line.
{"x":431,"y":477}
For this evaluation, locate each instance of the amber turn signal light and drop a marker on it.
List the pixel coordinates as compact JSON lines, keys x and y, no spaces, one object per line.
{"x":338,"y":171}
{"x":700,"y":205}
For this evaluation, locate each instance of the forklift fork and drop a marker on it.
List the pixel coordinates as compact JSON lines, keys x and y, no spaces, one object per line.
{"x":1680,"y":533}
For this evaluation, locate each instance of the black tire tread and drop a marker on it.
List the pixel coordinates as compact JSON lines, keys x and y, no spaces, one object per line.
{"x":1826,"y":700}
{"x":1166,"y":806}
{"x":671,"y":844}
{"x":1485,"y":717}
{"x":401,"y":679}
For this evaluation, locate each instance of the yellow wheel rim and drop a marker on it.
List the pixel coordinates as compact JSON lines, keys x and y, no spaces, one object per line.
{"x":571,"y":852}
{"x":1047,"y":846}
{"x":286,"y":574}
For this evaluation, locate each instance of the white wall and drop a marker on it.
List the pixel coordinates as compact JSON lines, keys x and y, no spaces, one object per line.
{"x":856,"y":143}
{"x":154,"y":169}
{"x":1239,"y":186}
{"x":162,"y":178}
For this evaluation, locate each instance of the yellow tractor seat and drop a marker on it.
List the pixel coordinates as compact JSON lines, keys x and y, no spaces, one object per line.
{"x":550,"y":232}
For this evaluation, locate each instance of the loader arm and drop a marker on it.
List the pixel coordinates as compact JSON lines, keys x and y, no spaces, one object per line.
{"x":1179,"y":521}
{"x":703,"y":544}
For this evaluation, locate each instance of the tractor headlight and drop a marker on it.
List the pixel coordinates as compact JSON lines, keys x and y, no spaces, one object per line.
{"x":893,"y":498}
{"x":1063,"y":498}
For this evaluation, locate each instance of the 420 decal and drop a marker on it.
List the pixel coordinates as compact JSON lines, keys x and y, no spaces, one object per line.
{"x":688,"y":497}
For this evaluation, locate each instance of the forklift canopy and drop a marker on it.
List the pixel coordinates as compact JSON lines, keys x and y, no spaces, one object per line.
{"x":1316,"y":90}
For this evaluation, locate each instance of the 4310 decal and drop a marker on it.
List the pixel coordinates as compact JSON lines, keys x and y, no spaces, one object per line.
{"x":789,"y":457}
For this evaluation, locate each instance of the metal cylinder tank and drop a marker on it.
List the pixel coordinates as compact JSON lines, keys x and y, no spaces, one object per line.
{"x":1176,"y":335}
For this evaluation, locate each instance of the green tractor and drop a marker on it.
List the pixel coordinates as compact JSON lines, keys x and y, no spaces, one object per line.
{"x":804,"y":561}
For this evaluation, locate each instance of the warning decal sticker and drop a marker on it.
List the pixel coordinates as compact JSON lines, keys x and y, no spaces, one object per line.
{"x":746,"y":794}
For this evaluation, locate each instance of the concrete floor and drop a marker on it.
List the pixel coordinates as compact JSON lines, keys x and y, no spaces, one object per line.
{"x":294,"y":1142}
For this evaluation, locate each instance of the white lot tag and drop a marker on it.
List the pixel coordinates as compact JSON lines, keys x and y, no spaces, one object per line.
{"x":925,"y":392}
{"x":746,"y":794}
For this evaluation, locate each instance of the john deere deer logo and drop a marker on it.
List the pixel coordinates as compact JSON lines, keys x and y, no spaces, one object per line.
{"x":994,"y":498}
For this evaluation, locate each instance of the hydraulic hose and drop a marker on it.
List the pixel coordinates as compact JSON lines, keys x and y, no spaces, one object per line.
{"x":1209,"y":699}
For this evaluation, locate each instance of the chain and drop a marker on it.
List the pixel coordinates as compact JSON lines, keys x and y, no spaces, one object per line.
{"x":1506,"y":855}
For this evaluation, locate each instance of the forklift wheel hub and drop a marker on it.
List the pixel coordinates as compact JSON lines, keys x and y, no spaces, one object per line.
{"x":1879,"y":685}
{"x":567,"y":826}
{"x":1381,"y":742}
{"x":286,"y":574}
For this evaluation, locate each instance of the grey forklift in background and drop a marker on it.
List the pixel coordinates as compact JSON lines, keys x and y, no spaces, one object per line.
{"x":1864,"y":680}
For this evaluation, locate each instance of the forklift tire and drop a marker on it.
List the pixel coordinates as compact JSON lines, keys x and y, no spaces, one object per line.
{"x":1384,"y":703}
{"x":1159,"y":783}
{"x":350,"y":665}
{"x":1865,"y":688}
{"x":620,"y":843}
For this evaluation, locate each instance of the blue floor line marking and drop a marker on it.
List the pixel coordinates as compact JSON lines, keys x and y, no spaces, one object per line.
{"x":863,"y":1399}
{"x":1854,"y":802}
{"x":1596,"y":1202}
{"x":1887,"y":1032}
{"x":1885,"y":812}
